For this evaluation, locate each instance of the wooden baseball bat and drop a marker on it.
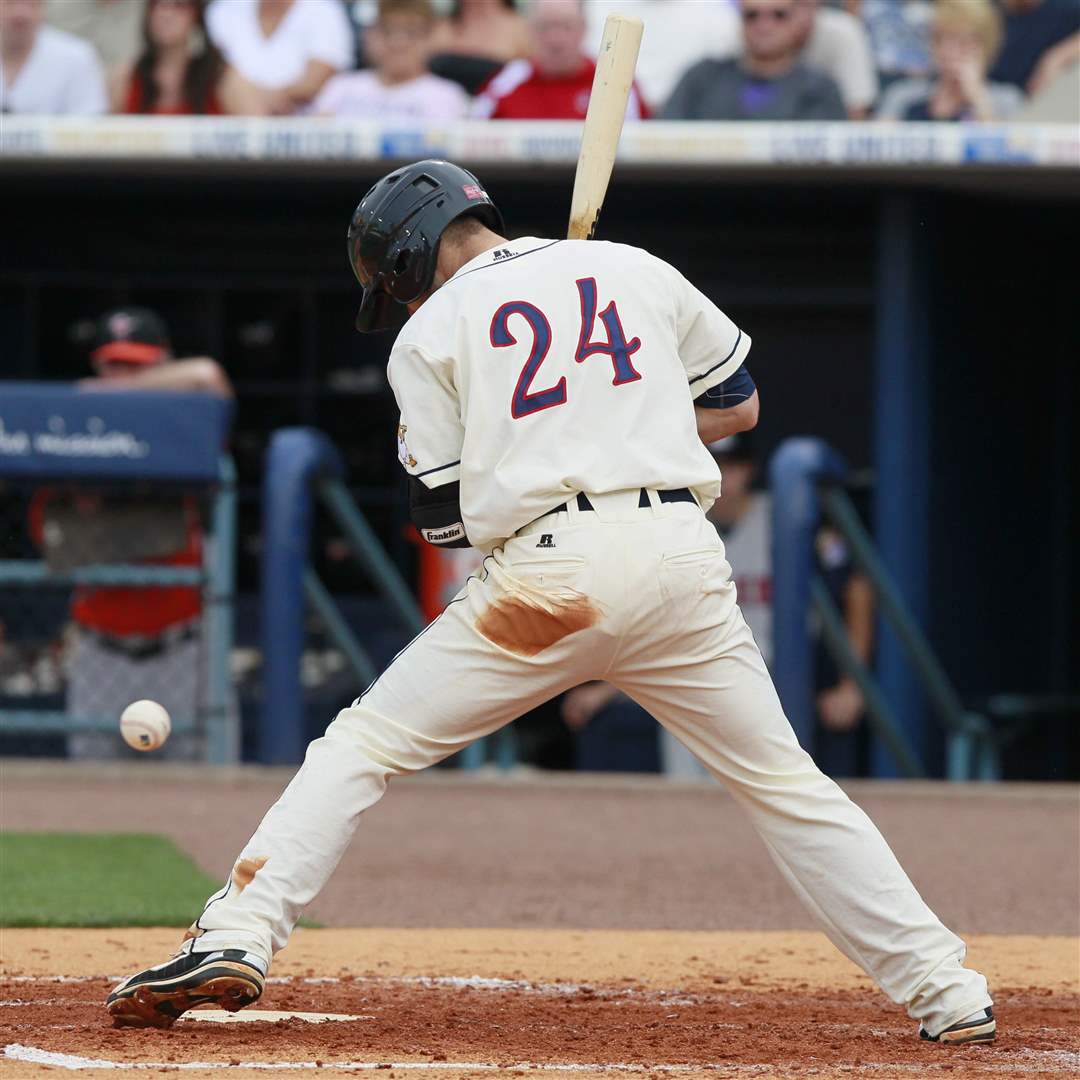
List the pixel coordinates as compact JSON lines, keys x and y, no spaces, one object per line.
{"x":603,"y":122}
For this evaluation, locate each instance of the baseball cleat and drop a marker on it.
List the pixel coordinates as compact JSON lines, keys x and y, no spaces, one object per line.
{"x":980,"y":1027}
{"x":228,"y":978}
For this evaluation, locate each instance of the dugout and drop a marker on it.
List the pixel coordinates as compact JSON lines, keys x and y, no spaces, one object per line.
{"x":917,"y":311}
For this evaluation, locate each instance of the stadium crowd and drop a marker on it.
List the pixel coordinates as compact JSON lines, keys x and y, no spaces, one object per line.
{"x":441,"y":60}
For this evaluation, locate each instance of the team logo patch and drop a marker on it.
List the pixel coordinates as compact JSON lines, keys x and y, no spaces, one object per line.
{"x":403,"y":454}
{"x":121,"y":324}
{"x":474,"y":191}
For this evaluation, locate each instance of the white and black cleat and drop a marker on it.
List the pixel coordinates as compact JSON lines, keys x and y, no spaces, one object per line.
{"x":228,"y":978}
{"x":979,"y":1027}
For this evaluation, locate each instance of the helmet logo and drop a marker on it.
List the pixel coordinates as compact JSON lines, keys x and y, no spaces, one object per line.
{"x":474,"y":191}
{"x":120,"y":324}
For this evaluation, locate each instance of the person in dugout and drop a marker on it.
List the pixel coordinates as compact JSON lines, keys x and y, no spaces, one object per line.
{"x":123,"y":642}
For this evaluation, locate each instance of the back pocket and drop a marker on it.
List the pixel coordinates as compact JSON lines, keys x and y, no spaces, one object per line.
{"x":698,"y":572}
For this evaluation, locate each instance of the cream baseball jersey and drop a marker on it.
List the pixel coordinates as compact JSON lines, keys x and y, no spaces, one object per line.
{"x":544,"y":368}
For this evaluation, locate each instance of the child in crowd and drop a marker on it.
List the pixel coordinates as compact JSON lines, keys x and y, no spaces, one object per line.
{"x":966,"y":37}
{"x":398,"y":86}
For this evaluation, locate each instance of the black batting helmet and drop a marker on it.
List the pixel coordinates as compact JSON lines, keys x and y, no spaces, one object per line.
{"x":394,"y":234}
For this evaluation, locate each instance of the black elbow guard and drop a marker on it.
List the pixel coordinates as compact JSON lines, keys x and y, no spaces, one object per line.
{"x":436,"y":513}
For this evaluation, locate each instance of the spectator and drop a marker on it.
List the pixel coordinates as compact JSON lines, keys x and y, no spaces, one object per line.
{"x":111,"y":26}
{"x":768,"y":82}
{"x":492,"y":29}
{"x":1042,"y":40}
{"x":45,"y":71}
{"x":399,"y":87}
{"x":899,"y":35}
{"x":837,"y":43}
{"x":127,"y":639}
{"x":179,"y":72}
{"x":678,"y":33}
{"x":966,"y":38}
{"x":477,"y":39}
{"x":281,"y":51}
{"x":556,"y":82}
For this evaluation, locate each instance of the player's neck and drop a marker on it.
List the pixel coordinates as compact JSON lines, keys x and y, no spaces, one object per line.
{"x":455,"y":252}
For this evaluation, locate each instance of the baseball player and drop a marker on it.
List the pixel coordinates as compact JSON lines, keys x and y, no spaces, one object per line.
{"x":556,"y":398}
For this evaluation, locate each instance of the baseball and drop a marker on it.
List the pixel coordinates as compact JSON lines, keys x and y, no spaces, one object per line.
{"x":145,"y":725}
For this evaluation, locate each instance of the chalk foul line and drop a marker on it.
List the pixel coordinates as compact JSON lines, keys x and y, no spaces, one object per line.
{"x":1030,"y":1061}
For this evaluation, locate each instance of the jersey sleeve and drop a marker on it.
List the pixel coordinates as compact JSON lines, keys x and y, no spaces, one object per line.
{"x":711,"y":346}
{"x":430,"y":433}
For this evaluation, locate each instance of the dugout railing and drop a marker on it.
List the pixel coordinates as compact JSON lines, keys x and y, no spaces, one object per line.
{"x":96,"y":489}
{"x":303,"y":471}
{"x":808,"y":480}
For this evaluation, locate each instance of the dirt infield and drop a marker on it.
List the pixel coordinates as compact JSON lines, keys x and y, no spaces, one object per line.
{"x":599,"y":1003}
{"x":572,"y":877}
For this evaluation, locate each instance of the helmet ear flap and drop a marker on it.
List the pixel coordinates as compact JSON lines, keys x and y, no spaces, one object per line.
{"x":380,"y":311}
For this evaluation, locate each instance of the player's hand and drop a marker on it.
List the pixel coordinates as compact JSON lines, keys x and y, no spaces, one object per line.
{"x":841,"y":707}
{"x":582,"y":703}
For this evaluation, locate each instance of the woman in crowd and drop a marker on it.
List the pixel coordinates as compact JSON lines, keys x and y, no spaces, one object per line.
{"x":280,"y":52}
{"x":178,"y":71}
{"x":966,"y":38}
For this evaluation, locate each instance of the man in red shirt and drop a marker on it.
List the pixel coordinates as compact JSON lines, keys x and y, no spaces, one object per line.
{"x":131,"y":642}
{"x":554,"y":84}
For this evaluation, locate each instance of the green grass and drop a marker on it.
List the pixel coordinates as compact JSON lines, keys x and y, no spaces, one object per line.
{"x":98,"y":879}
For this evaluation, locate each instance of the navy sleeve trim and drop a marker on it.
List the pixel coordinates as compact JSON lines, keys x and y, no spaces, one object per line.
{"x":438,"y":468}
{"x":734,"y":350}
{"x":734,"y":390}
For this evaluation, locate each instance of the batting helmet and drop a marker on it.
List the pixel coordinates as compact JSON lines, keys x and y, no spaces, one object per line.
{"x":394,"y":235}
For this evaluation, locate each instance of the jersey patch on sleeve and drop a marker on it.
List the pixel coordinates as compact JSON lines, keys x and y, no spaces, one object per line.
{"x":403,"y":454}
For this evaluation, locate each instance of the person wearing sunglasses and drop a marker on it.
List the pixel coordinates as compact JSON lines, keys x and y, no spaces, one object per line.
{"x":768,"y":82}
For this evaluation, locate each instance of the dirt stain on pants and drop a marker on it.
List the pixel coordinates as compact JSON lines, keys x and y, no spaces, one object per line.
{"x":526,"y":626}
{"x":245,"y":870}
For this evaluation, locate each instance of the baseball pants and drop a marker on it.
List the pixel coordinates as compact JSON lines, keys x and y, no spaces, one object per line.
{"x":643,"y":598}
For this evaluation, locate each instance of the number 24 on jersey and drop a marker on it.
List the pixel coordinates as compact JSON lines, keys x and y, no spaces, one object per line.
{"x":526,"y":400}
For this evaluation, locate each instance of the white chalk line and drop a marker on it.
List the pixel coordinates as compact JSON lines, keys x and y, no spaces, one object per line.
{"x":1038,"y":1060}
{"x":455,"y":982}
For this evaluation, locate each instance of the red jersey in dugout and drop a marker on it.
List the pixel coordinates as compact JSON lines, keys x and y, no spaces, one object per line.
{"x":520,"y":92}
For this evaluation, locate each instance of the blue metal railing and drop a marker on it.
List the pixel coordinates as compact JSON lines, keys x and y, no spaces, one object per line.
{"x":303,"y":467}
{"x":807,"y":477}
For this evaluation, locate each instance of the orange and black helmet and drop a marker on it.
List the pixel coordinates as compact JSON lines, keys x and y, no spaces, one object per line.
{"x":393,"y":239}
